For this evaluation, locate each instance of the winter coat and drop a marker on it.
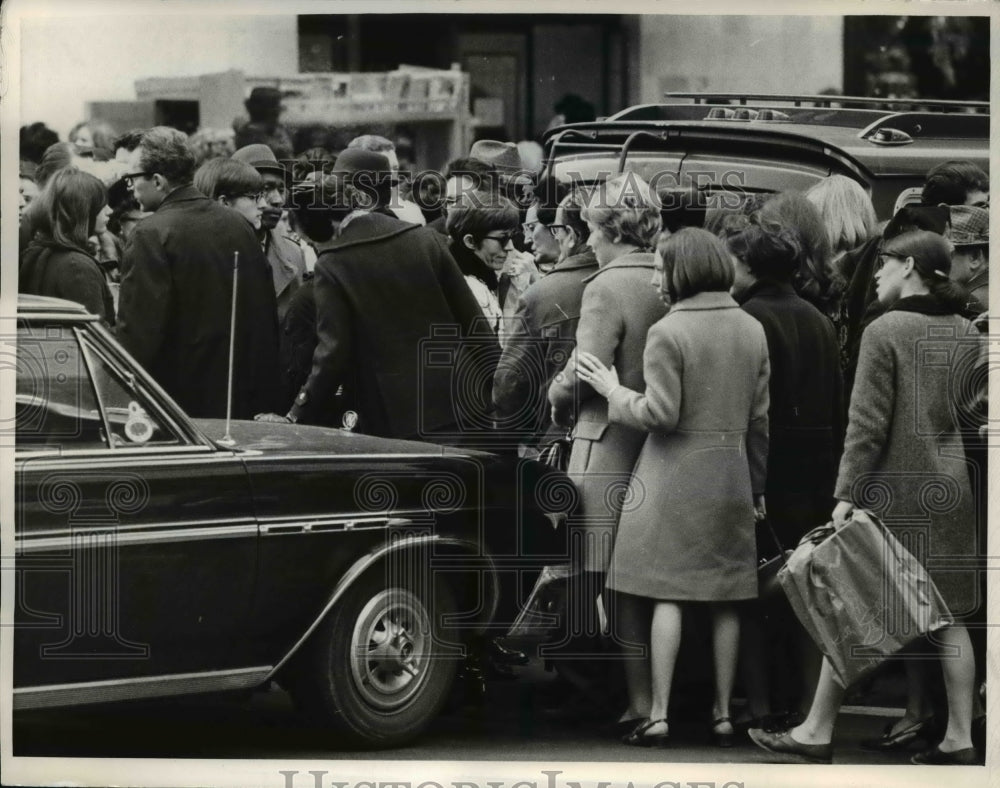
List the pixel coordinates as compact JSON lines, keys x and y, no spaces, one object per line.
{"x":619,"y":306}
{"x":540,"y":339}
{"x":806,"y":409}
{"x":288,"y":266}
{"x":687,"y":532}
{"x":49,"y":269}
{"x":175,"y":303}
{"x":903,"y":454}
{"x":394,"y":319}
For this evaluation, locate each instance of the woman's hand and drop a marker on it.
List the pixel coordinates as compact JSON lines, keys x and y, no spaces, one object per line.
{"x":759,"y":509}
{"x":590,"y":369}
{"x":842,"y":513}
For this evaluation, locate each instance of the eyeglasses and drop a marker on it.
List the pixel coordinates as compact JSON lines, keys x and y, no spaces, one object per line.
{"x":554,"y":227}
{"x":887,"y":255}
{"x":130,"y":178}
{"x":503,"y":240}
{"x":529,"y":227}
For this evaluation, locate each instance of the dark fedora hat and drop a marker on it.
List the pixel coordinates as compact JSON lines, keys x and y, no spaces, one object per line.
{"x":261,"y":158}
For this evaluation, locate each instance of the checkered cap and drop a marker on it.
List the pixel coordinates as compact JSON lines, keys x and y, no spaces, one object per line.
{"x":970,"y":226}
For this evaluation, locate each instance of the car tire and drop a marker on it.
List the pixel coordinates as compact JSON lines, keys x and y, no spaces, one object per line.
{"x":376,"y":668}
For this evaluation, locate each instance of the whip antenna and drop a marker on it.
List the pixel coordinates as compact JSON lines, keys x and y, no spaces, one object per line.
{"x":227,"y":439}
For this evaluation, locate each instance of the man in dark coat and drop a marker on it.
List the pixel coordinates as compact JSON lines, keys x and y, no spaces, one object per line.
{"x":543,"y":332}
{"x":392,"y":311}
{"x":176,"y":295}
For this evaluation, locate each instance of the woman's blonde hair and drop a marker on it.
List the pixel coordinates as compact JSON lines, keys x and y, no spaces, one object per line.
{"x":626,"y":210}
{"x":847,"y":211}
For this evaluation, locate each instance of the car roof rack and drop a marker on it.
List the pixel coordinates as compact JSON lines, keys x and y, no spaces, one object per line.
{"x":827,"y":101}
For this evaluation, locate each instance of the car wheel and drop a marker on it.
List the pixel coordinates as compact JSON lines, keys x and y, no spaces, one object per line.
{"x":376,"y":668}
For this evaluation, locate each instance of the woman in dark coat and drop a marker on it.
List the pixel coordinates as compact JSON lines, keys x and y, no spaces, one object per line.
{"x":805,"y":440}
{"x":617,"y":309}
{"x":687,"y":532}
{"x":903,"y":453}
{"x":58,"y":262}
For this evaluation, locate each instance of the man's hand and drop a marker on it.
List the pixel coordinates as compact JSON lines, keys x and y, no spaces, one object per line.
{"x":272,"y":418}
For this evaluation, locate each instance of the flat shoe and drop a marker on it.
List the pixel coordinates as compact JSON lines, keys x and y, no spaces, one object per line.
{"x":720,"y":738}
{"x":934,"y":757}
{"x":638,"y":737}
{"x":900,"y":740}
{"x":791,"y":751}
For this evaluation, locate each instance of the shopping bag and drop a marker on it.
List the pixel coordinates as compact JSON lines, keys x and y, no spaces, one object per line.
{"x":544,"y":614}
{"x":860,"y":595}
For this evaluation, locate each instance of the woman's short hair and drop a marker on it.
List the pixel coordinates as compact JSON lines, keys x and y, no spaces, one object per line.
{"x":68,"y":207}
{"x":480,"y":213}
{"x":227,"y":177}
{"x":694,"y":261}
{"x":846,"y":209}
{"x":101,"y":132}
{"x":816,"y":278}
{"x":771,"y":253}
{"x":56,"y":156}
{"x":931,"y":255}
{"x":626,"y":210}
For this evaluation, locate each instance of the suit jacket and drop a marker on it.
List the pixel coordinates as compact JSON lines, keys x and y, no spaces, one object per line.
{"x":288,"y":266}
{"x":393,"y":312}
{"x":175,"y":301}
{"x":541,"y":336}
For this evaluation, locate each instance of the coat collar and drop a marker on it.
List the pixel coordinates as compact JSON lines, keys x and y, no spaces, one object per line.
{"x":182,"y":194}
{"x":704,"y":301}
{"x":764,"y":288}
{"x":584,"y":259}
{"x":925,"y":304}
{"x":630,"y":260}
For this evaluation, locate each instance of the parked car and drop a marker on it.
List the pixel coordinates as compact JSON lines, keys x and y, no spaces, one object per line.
{"x":155,"y":559}
{"x":734,"y":144}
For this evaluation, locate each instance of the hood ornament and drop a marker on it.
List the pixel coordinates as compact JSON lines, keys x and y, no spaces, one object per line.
{"x":349,"y":420}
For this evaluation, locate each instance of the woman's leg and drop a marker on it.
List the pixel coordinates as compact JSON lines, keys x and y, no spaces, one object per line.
{"x":631,"y":625}
{"x":665,"y":641}
{"x":754,"y":661}
{"x":725,"y":645}
{"x":817,"y":728}
{"x":959,"y":682}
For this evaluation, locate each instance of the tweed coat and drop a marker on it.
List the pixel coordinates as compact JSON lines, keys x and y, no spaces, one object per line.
{"x":903,"y":454}
{"x":688,"y":530}
{"x":619,"y":306}
{"x":540,"y":338}
{"x":174,"y":307}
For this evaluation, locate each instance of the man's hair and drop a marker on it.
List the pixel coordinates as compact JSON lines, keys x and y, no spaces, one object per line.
{"x":950,"y":182}
{"x":129,"y":140}
{"x":165,"y":151}
{"x":227,"y":177}
{"x":372,"y":142}
{"x":547,"y":195}
{"x":572,"y":208}
{"x":483,"y":176}
{"x":35,"y":140}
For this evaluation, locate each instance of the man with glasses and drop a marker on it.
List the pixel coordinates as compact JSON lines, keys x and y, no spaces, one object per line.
{"x":177,"y":288}
{"x":284,"y":255}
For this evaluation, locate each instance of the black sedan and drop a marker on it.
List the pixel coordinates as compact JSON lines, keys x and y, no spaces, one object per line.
{"x":154,"y":560}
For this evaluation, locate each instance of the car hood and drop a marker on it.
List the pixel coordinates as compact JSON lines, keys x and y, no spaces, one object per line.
{"x":304,"y":439}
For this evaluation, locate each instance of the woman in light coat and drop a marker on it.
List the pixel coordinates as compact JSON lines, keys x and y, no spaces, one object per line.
{"x":903,"y":457}
{"x":687,"y":534}
{"x":618,"y":307}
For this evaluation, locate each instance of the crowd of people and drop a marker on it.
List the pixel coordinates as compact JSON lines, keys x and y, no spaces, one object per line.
{"x":753,"y":362}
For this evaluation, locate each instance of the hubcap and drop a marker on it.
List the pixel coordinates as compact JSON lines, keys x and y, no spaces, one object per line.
{"x":390,"y":648}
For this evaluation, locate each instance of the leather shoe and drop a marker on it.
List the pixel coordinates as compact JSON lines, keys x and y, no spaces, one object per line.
{"x":722,"y":738}
{"x":888,"y":741}
{"x":934,"y":756}
{"x":638,"y":737}
{"x":791,"y":751}
{"x":506,"y":656}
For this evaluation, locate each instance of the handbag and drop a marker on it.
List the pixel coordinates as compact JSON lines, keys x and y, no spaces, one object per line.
{"x":768,"y":568}
{"x":544,"y":614}
{"x":860,"y":595}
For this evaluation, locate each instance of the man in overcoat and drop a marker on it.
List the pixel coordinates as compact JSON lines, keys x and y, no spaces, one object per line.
{"x":174,"y":311}
{"x":392,"y":311}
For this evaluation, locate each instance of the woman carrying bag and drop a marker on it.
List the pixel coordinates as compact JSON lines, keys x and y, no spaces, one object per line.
{"x":903,"y":456}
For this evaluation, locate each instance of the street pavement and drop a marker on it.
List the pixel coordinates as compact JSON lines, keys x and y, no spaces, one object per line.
{"x":509,"y":725}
